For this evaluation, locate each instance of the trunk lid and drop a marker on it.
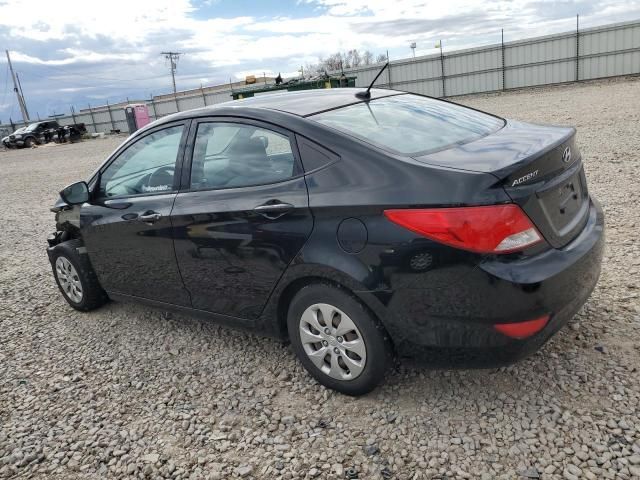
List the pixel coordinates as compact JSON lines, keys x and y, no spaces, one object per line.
{"x":538,"y":166}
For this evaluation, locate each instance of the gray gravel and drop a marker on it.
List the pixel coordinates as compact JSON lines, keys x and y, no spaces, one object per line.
{"x":131,"y":392}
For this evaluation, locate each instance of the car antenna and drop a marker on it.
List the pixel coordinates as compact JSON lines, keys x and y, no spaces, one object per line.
{"x":367,"y":94}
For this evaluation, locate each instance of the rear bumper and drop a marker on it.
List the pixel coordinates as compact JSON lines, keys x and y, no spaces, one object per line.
{"x":457,"y":322}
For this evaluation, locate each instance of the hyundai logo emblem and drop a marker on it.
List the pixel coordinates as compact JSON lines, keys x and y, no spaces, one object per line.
{"x":566,"y":155}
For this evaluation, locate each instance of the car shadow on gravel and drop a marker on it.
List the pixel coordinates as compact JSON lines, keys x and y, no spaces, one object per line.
{"x":174,"y":338}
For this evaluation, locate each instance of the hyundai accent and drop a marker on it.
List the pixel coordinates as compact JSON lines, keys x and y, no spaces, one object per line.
{"x":361,"y":227}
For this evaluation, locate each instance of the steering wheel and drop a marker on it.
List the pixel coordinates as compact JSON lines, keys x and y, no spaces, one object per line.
{"x":161,"y":176}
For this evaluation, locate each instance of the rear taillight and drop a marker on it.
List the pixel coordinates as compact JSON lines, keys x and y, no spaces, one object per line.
{"x":484,"y":229}
{"x":522,"y":330}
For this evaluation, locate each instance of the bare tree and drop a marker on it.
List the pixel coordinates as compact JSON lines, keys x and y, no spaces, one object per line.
{"x":367,"y":57}
{"x":313,"y":69}
{"x":333,"y":62}
{"x":356,"y":58}
{"x":339,"y":61}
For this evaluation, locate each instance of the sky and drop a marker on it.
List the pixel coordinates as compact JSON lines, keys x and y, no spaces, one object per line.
{"x":90,"y":52}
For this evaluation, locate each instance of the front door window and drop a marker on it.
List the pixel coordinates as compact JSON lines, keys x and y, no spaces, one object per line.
{"x":147,"y":166}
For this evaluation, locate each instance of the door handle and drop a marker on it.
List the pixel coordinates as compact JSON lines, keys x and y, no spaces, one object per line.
{"x":150,"y":217}
{"x":273,"y":210}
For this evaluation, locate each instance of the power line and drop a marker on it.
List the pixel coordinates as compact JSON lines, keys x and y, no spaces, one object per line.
{"x":173,"y":63}
{"x":87,"y":83}
{"x":89,"y":76}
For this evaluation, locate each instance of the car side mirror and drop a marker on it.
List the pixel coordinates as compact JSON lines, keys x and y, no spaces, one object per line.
{"x":76,"y":193}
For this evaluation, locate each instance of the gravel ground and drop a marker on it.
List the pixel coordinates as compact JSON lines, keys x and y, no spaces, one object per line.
{"x":126,"y":391}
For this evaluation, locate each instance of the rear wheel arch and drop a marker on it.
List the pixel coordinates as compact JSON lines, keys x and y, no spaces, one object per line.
{"x":370,"y":303}
{"x":353,"y":364}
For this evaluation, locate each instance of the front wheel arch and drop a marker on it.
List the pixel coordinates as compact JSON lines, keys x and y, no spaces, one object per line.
{"x":92,"y":294}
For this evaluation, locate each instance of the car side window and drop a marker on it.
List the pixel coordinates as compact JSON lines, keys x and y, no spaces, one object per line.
{"x":146,"y":166}
{"x":227,"y":155}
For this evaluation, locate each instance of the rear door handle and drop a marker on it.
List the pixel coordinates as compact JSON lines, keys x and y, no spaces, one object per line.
{"x":150,"y":217}
{"x":273,"y":210}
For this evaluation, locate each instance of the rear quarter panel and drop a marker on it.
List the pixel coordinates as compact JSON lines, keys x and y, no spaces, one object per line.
{"x":361,"y":185}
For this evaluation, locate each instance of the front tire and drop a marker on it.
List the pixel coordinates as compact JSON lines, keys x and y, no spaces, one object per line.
{"x":30,"y":142}
{"x":75,"y":277}
{"x":337,"y":340}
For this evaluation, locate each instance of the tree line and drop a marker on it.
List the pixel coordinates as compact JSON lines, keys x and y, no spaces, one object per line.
{"x":344,"y":60}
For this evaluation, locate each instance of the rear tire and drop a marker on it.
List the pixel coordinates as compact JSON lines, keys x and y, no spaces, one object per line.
{"x":348,"y":351}
{"x":76,"y":278}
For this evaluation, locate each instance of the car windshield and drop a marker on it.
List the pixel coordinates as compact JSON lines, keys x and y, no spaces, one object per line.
{"x":411,"y":124}
{"x":32,"y":127}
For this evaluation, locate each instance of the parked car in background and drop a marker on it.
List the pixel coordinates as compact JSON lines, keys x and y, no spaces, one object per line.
{"x":44,"y":132}
{"x":6,"y":141}
{"x":34,"y":134}
{"x":357,"y":225}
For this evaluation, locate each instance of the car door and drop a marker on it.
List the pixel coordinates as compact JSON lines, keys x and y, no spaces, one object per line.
{"x":241,"y":216}
{"x":127,"y":228}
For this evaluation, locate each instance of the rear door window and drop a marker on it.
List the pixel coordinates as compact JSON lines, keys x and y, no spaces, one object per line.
{"x":411,"y":124}
{"x":230,"y":155}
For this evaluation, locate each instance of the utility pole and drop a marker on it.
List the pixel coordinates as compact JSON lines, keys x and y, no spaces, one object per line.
{"x":23,"y":107}
{"x":22,"y":94}
{"x":173,"y":64}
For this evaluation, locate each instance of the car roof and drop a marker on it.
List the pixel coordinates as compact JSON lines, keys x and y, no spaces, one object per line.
{"x":309,"y":102}
{"x":301,"y":103}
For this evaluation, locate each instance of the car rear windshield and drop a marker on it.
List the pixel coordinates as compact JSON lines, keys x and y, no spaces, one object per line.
{"x":411,"y":124}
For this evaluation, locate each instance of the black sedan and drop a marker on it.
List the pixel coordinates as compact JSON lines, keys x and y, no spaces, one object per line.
{"x":361,"y":227}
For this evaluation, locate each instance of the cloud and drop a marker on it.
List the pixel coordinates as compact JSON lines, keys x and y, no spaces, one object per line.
{"x":93,"y":51}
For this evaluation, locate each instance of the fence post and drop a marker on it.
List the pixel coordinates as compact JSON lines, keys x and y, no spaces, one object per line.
{"x":204,"y":97}
{"x":389,"y":70}
{"x":93,"y":119}
{"x":504,"y":87}
{"x":444,"y":90}
{"x":577,"y":47}
{"x":155,"y":113}
{"x":113,"y":126}
{"x":13,"y":127}
{"x":175,"y":97}
{"x":73,"y":115}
